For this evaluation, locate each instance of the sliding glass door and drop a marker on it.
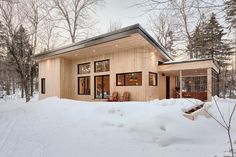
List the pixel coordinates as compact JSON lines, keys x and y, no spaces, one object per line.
{"x":102,"y":87}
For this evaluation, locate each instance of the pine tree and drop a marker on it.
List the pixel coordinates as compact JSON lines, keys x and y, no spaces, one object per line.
{"x":198,"y":44}
{"x":230,"y":7}
{"x":20,"y":52}
{"x":208,"y":42}
{"x":170,"y":43}
{"x":2,"y":40}
{"x":213,"y":33}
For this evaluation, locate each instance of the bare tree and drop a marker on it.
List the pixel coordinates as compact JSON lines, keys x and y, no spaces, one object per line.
{"x":48,"y":34}
{"x":10,"y":16}
{"x":164,"y":28}
{"x":34,"y":12}
{"x":114,"y":25}
{"x":232,"y":83}
{"x":12,"y":20}
{"x":75,"y":15}
{"x":188,"y":13}
{"x":224,"y":123}
{"x":230,"y":8}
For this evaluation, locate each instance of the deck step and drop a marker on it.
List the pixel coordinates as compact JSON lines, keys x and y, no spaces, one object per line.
{"x":195,"y":111}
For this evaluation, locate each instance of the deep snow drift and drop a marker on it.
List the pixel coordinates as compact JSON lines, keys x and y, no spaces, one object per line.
{"x":65,"y":128}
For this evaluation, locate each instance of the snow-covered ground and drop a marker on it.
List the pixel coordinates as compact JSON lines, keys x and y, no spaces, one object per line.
{"x":65,"y":128}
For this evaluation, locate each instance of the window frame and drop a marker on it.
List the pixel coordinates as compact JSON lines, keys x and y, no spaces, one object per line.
{"x":117,"y":79}
{"x":102,"y":76}
{"x":95,"y":70}
{"x":156,"y":77}
{"x":124,"y":78}
{"x":43,"y":86}
{"x":194,"y":87}
{"x":81,"y":65}
{"x":78,"y":85}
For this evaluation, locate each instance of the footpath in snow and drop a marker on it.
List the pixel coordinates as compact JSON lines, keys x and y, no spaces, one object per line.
{"x":65,"y":128}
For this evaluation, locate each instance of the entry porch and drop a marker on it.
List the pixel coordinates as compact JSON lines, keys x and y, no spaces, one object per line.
{"x":190,"y":79}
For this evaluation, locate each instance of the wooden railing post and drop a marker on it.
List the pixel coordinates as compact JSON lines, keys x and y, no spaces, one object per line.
{"x":209,"y":84}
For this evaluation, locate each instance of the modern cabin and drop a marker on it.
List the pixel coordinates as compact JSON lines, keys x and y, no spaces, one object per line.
{"x":128,"y":59}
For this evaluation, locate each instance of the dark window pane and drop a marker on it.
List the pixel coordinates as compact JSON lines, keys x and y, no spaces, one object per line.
{"x":106,"y":86}
{"x":194,"y":84}
{"x":152,"y":79}
{"x":81,"y":85}
{"x":102,"y":87}
{"x":133,"y":79}
{"x":129,"y":79}
{"x":87,"y":86}
{"x":102,"y":66}
{"x":43,"y":86}
{"x":84,"y":85}
{"x":84,"y":68}
{"x":120,"y":80}
{"x":215,"y":83}
{"x":98,"y":81}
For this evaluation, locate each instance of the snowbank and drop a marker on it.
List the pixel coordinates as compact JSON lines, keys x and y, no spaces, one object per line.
{"x":67,"y":128}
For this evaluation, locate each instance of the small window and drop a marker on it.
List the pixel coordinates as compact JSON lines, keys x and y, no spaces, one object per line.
{"x":102,"y":66}
{"x":43,"y":91}
{"x":84,"y":85}
{"x":120,"y":79}
{"x":129,"y":79}
{"x":84,"y":68}
{"x":152,"y":79}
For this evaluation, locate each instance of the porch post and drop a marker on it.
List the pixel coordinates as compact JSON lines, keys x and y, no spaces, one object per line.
{"x":180,"y":83}
{"x":209,"y":84}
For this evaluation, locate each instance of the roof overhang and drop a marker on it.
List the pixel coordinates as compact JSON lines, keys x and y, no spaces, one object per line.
{"x":105,"y":38}
{"x":189,"y":65}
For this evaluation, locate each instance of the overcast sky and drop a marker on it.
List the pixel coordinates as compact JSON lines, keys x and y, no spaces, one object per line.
{"x":119,"y":10}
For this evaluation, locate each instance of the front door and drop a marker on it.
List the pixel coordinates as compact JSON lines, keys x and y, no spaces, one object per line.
{"x":102,"y":87}
{"x":167,"y":87}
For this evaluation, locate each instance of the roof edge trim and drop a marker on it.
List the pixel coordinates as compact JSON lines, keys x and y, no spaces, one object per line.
{"x":107,"y":37}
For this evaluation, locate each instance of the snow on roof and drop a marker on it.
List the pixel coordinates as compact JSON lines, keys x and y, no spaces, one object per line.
{"x":189,"y":60}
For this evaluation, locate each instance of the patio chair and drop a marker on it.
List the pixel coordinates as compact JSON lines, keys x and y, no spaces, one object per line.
{"x":114,"y":97}
{"x":125,"y":97}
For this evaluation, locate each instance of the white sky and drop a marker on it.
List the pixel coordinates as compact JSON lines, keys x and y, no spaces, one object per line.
{"x":119,"y":10}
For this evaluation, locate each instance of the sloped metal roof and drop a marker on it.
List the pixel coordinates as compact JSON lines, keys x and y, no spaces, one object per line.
{"x":118,"y":34}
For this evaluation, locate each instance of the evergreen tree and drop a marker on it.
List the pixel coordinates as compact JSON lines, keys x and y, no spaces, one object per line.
{"x":2,"y":41}
{"x":230,"y":7}
{"x":208,"y":42}
{"x":198,"y":44}
{"x":170,"y":43}
{"x":20,"y":52}
{"x":213,"y":33}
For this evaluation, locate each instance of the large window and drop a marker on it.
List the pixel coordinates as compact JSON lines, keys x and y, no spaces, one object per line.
{"x":102,"y":66}
{"x":129,"y":79}
{"x":195,"y":84}
{"x":215,"y":83}
{"x":43,"y":86}
{"x":152,"y":79}
{"x":84,"y":68}
{"x":84,"y":85}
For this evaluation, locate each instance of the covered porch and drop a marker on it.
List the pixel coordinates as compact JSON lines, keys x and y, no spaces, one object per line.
{"x":189,"y":79}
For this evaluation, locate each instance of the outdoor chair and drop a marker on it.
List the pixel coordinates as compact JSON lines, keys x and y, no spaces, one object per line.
{"x":125,"y":97}
{"x":114,"y":97}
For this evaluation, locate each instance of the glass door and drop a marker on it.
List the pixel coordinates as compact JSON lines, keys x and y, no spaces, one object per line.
{"x":102,"y":87}
{"x":106,"y":86}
